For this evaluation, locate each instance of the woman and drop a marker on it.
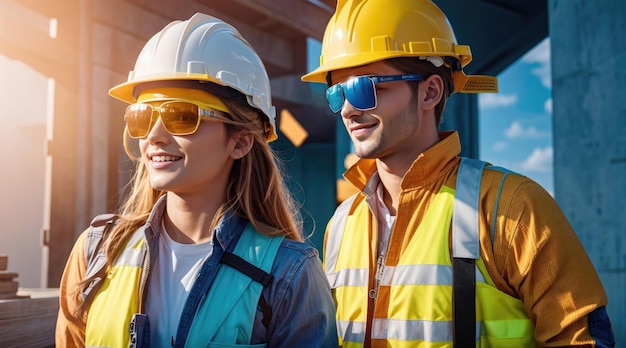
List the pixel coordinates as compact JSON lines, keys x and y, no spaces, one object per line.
{"x":207,"y":249}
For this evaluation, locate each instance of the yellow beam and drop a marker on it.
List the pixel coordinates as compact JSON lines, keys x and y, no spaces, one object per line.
{"x":292,"y":129}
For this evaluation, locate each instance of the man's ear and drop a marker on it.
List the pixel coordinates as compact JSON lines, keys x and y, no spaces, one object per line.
{"x":433,"y":91}
{"x":243,"y":144}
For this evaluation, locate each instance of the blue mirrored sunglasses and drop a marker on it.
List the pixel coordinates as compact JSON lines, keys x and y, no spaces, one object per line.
{"x":361,"y":91}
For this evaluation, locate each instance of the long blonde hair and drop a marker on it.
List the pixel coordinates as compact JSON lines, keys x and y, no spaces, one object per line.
{"x":256,"y":190}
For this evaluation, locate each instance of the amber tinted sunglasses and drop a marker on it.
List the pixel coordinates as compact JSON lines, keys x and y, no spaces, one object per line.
{"x":179,"y":117}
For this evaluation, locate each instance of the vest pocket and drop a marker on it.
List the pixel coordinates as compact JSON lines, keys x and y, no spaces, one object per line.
{"x":226,"y":345}
{"x":227,"y":337}
{"x":504,"y":322}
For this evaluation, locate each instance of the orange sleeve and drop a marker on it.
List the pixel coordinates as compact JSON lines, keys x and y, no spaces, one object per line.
{"x":538,"y":258}
{"x":70,"y":326}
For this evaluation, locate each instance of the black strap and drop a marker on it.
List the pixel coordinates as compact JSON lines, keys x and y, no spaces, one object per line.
{"x":267,"y":312}
{"x":464,"y":303}
{"x":245,"y":267}
{"x":256,"y":274}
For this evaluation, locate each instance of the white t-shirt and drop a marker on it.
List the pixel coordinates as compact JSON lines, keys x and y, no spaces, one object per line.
{"x":173,"y":274}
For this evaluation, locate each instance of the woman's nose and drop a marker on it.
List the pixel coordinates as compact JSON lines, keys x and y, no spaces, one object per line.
{"x":158,"y":133}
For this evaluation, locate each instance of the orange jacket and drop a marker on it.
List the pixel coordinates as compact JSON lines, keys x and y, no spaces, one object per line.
{"x":70,"y":327}
{"x":535,"y":255}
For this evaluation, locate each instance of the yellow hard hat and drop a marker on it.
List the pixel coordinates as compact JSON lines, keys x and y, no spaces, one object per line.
{"x":366,"y":31}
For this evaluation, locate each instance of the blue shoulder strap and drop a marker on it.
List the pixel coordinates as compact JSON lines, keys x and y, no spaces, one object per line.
{"x":226,"y":313}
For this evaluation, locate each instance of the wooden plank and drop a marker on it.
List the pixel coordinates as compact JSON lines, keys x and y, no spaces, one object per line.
{"x":8,"y":287}
{"x":4,"y":275}
{"x":296,"y":16}
{"x":28,"y":323}
{"x":12,"y":296}
{"x":129,"y":24}
{"x":14,"y":309}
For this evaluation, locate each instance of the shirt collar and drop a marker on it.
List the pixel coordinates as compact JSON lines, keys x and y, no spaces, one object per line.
{"x":423,"y":170}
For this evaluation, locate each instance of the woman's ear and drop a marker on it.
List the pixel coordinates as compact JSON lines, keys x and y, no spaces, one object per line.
{"x":243,"y":144}
{"x":433,"y":91}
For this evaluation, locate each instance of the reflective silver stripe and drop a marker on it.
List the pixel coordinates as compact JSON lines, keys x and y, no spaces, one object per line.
{"x":389,"y":274}
{"x":351,"y":331}
{"x":479,"y":275}
{"x":348,"y":277}
{"x":400,"y":275}
{"x":131,"y":256}
{"x":421,"y":275}
{"x":415,"y":330}
{"x":335,"y":234}
{"x":465,"y":242}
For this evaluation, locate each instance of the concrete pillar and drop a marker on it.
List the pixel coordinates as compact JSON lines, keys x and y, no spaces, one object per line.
{"x":589,"y":86}
{"x":461,"y":114}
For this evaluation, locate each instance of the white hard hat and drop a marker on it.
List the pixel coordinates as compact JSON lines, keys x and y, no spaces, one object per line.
{"x":202,"y":48}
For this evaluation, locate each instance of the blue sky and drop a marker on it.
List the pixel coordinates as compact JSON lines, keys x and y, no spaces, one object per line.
{"x":515,"y":125}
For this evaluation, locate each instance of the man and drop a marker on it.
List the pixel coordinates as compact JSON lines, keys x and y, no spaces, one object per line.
{"x":436,"y":250}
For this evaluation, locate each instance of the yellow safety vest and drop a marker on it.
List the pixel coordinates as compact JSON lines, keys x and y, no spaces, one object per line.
{"x":118,"y":298}
{"x":225,"y":317}
{"x":419,"y":311}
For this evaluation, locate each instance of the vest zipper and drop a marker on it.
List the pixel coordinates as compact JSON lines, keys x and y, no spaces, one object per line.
{"x":144,"y":276}
{"x":379,"y":271}
{"x":378,"y":277}
{"x":380,"y":263}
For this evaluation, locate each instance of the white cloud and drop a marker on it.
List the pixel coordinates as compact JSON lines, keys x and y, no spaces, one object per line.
{"x":541,"y":55}
{"x":499,"y":146}
{"x":540,"y":160}
{"x":492,"y":101}
{"x":547,"y":106}
{"x":516,"y":130}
